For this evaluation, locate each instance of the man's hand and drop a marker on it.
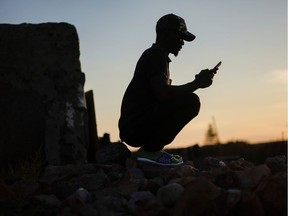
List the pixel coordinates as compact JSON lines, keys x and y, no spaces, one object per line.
{"x":205,"y":78}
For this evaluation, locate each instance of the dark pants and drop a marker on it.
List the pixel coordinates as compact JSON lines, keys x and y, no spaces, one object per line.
{"x":161,"y":126}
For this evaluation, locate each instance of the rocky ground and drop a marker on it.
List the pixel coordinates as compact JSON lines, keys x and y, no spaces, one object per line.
{"x":119,"y":186}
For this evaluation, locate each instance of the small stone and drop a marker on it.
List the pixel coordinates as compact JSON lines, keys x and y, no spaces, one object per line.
{"x":169,"y":194}
{"x":126,"y":185}
{"x":47,"y":200}
{"x":136,"y":173}
{"x":226,"y":179}
{"x":184,"y":181}
{"x":150,"y":207}
{"x":63,"y":189}
{"x":93,"y":182}
{"x":83,"y":195}
{"x":233,"y":196}
{"x":138,"y":196}
{"x":112,"y":205}
{"x":239,"y":164}
{"x":277,"y":163}
{"x":209,"y":163}
{"x":184,"y":170}
{"x":88,"y":211}
{"x":74,"y":203}
{"x":151,"y":185}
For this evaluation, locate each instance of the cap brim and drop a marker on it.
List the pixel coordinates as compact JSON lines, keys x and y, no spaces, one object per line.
{"x":187,"y":36}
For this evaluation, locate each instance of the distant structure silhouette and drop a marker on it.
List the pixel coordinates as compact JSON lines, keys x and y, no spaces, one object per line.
{"x":212,"y":136}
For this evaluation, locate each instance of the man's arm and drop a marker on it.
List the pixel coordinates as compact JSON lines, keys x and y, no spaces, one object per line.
{"x":164,"y":91}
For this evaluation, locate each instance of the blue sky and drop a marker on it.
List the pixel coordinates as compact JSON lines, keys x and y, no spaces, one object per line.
{"x":249,"y":96}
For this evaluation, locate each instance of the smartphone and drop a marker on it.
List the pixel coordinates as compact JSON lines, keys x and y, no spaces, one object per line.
{"x":217,"y":66}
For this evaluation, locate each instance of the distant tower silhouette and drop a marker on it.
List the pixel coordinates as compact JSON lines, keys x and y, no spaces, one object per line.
{"x":211,"y":136}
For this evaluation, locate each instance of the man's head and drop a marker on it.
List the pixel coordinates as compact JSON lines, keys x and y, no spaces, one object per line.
{"x":174,"y":23}
{"x":171,"y":32}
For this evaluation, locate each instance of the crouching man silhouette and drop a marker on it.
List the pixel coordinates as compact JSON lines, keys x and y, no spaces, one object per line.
{"x":153,"y":111}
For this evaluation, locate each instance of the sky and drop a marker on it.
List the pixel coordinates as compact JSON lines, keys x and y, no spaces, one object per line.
{"x":248,"y":98}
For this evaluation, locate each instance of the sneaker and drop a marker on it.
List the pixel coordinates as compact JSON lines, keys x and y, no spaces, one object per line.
{"x":160,"y":158}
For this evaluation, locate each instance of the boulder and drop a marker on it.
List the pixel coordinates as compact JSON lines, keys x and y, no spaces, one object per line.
{"x":41,"y":94}
{"x":113,"y":153}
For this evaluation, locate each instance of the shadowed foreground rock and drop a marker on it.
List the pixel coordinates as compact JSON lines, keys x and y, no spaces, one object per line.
{"x":113,"y":153}
{"x":233,"y":188}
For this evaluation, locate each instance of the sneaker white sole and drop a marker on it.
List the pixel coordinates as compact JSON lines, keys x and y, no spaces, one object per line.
{"x":145,"y":160}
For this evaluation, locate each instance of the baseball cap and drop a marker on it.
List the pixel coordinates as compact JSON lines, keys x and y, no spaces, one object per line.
{"x":174,"y":22}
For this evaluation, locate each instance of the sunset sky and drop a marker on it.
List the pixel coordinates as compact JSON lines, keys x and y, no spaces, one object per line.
{"x":249,"y":96}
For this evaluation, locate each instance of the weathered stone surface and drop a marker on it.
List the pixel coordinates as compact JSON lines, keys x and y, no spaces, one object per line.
{"x":184,"y":181}
{"x":239,"y":164}
{"x":169,"y":194}
{"x":112,"y":205}
{"x":152,"y":184}
{"x":83,"y":194}
{"x":73,"y":205}
{"x":250,"y":178}
{"x":276,"y":164}
{"x":88,"y":210}
{"x":139,"y":196}
{"x":48,"y":200}
{"x":113,"y":153}
{"x":185,"y":170}
{"x":150,"y":207}
{"x":125,"y":185}
{"x":197,"y":198}
{"x":209,"y":163}
{"x":248,"y":204}
{"x":273,"y":194}
{"x":244,"y":179}
{"x":93,"y":182}
{"x":41,"y":93}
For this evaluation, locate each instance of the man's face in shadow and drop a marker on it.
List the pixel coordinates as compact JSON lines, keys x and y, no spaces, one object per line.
{"x":174,"y":42}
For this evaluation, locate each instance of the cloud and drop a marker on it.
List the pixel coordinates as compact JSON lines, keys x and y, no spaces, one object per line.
{"x":277,"y":76}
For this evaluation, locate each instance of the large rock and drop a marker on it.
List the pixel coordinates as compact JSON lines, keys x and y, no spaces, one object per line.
{"x":244,"y":179}
{"x":197,"y":199}
{"x":42,"y":103}
{"x":273,"y":194}
{"x":113,"y":153}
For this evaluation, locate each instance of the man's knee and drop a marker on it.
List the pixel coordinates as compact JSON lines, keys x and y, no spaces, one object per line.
{"x":197,"y":102}
{"x":195,"y":98}
{"x":193,"y":103}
